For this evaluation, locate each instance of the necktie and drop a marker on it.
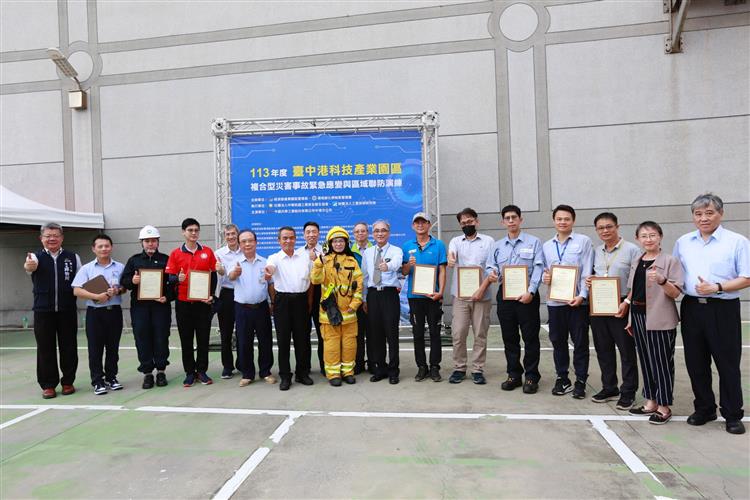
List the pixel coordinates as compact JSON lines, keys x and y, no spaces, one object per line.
{"x":377,"y":274}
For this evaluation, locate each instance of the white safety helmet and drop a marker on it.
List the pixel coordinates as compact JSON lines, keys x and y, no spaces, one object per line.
{"x":148,"y":232}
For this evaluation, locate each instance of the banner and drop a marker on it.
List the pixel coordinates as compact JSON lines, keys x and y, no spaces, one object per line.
{"x":334,"y":179}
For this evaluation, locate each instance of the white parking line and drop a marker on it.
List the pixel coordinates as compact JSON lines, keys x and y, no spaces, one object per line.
{"x":404,"y":349}
{"x":22,"y":417}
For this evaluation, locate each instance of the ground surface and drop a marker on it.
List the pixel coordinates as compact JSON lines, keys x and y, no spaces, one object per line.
{"x":413,"y":440}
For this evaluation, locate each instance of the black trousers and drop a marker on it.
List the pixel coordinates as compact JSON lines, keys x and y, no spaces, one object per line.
{"x":713,"y":330}
{"x":315,"y":321}
{"x":292,"y":320}
{"x":151,"y":321}
{"x":251,"y":322}
{"x":573,"y":322}
{"x":421,"y":310}
{"x":226,"y":327}
{"x":609,"y":332}
{"x":103,"y":332}
{"x":194,"y":322}
{"x":363,"y":347}
{"x":383,"y":312}
{"x":513,"y":316}
{"x":53,"y":329}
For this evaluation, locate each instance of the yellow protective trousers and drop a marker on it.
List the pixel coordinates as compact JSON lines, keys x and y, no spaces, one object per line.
{"x":339,"y":349}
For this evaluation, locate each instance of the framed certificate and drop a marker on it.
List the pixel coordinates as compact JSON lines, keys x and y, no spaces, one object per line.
{"x":515,"y":281}
{"x":604,"y":296}
{"x":563,"y":285}
{"x":423,"y":279}
{"x":199,"y":285}
{"x":150,"y":287}
{"x":469,"y":281}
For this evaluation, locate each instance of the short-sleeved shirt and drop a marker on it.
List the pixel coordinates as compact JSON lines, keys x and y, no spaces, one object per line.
{"x":577,"y":250}
{"x":292,"y":274}
{"x":203,"y":259}
{"x":111,"y":272}
{"x":358,"y":252}
{"x":250,"y":287}
{"x":725,"y":256}
{"x":470,"y":252}
{"x":525,"y":250}
{"x":228,"y":259}
{"x":432,"y":254}
{"x":616,"y":263}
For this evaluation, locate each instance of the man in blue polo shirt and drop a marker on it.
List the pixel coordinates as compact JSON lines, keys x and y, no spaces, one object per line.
{"x":425,"y":250}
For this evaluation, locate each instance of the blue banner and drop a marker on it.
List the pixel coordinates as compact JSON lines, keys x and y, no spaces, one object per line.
{"x":334,"y":179}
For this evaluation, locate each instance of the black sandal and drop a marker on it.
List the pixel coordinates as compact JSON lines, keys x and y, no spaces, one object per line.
{"x":659,"y":418}
{"x":641,"y":410}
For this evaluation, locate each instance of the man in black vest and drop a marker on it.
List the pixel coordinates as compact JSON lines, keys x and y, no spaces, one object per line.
{"x":52,"y":269}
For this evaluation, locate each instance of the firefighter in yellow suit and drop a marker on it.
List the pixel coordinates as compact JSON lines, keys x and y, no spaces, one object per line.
{"x":341,"y":279}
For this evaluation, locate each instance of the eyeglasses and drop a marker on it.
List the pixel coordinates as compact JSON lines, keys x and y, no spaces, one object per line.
{"x":650,"y":236}
{"x":379,"y":231}
{"x":468,"y":222}
{"x":192,"y":230}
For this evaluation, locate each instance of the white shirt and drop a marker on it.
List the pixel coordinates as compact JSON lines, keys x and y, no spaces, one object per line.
{"x":229,"y":259}
{"x":292,"y":274}
{"x":393,"y":256}
{"x":470,"y":253}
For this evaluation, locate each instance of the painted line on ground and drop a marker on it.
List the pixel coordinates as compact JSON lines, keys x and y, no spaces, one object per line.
{"x":405,"y":349}
{"x":22,"y":417}
{"x":240,"y":476}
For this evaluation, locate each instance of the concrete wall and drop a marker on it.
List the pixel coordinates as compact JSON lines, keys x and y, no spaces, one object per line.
{"x":540,"y":102}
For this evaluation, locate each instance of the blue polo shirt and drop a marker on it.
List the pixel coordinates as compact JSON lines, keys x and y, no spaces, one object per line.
{"x":111,"y":273}
{"x":433,"y":254}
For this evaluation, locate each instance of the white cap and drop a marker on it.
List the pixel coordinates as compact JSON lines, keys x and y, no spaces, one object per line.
{"x":421,"y":215}
{"x":148,"y":232}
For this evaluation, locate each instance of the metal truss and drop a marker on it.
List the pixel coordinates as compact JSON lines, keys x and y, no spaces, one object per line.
{"x":677,"y":10}
{"x":427,"y":123}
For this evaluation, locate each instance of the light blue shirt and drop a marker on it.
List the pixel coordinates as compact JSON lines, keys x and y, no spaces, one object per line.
{"x":250,"y":287}
{"x":725,"y":256}
{"x":526,"y":250}
{"x":576,"y":250}
{"x":393,"y":256}
{"x":228,"y":259}
{"x":470,"y":253}
{"x":112,"y":273}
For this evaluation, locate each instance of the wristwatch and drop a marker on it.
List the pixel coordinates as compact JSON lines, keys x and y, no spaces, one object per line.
{"x":627,"y":301}
{"x":720,"y":290}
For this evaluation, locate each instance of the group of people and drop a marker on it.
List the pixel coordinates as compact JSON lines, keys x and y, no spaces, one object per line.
{"x":349,"y":291}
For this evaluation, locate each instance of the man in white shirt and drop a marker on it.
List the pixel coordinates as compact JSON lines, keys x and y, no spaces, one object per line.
{"x":290,"y":272}
{"x":226,"y":258}
{"x":311,"y":232}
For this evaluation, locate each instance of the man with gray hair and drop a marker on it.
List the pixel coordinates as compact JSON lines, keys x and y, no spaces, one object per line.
{"x":716,"y":265}
{"x":52,"y":270}
{"x":227,"y":258}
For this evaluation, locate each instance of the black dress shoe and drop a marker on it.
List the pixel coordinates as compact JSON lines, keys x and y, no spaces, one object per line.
{"x":700,"y":419}
{"x":336,"y":382}
{"x":304,"y":379}
{"x":285,"y":384}
{"x":393,"y":380}
{"x":349,"y":379}
{"x":421,"y":374}
{"x":735,"y":427}
{"x":377,"y":378}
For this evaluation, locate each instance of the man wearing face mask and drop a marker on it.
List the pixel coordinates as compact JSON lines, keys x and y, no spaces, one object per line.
{"x":469,"y":250}
{"x":151,"y":319}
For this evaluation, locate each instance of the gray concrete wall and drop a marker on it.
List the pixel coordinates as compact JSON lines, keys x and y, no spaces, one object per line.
{"x":540,"y":103}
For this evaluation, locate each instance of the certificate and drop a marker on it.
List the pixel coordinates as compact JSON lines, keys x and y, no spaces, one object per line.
{"x":563,"y":285}
{"x":515,"y":281}
{"x":199,"y":285}
{"x":150,"y":287}
{"x":469,"y":280}
{"x":423,"y":279}
{"x":604,"y":296}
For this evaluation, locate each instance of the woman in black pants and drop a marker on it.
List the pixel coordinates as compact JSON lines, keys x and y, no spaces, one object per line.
{"x":655,"y":282}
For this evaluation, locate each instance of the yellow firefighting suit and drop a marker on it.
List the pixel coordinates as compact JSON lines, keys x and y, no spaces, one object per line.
{"x":341,"y":277}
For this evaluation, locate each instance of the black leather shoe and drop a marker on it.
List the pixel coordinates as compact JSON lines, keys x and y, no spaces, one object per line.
{"x":393,"y":380}
{"x":700,"y":419}
{"x":148,"y":381}
{"x":349,"y":379}
{"x":530,"y":387}
{"x":285,"y":384}
{"x":304,"y":379}
{"x":377,"y":378}
{"x":161,"y":379}
{"x":511,"y":384}
{"x":336,"y":382}
{"x":421,"y":374}
{"x":735,"y":427}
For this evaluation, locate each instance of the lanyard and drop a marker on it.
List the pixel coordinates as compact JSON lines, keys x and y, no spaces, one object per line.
{"x":513,"y":254}
{"x":565,"y":247}
{"x":608,"y":262}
